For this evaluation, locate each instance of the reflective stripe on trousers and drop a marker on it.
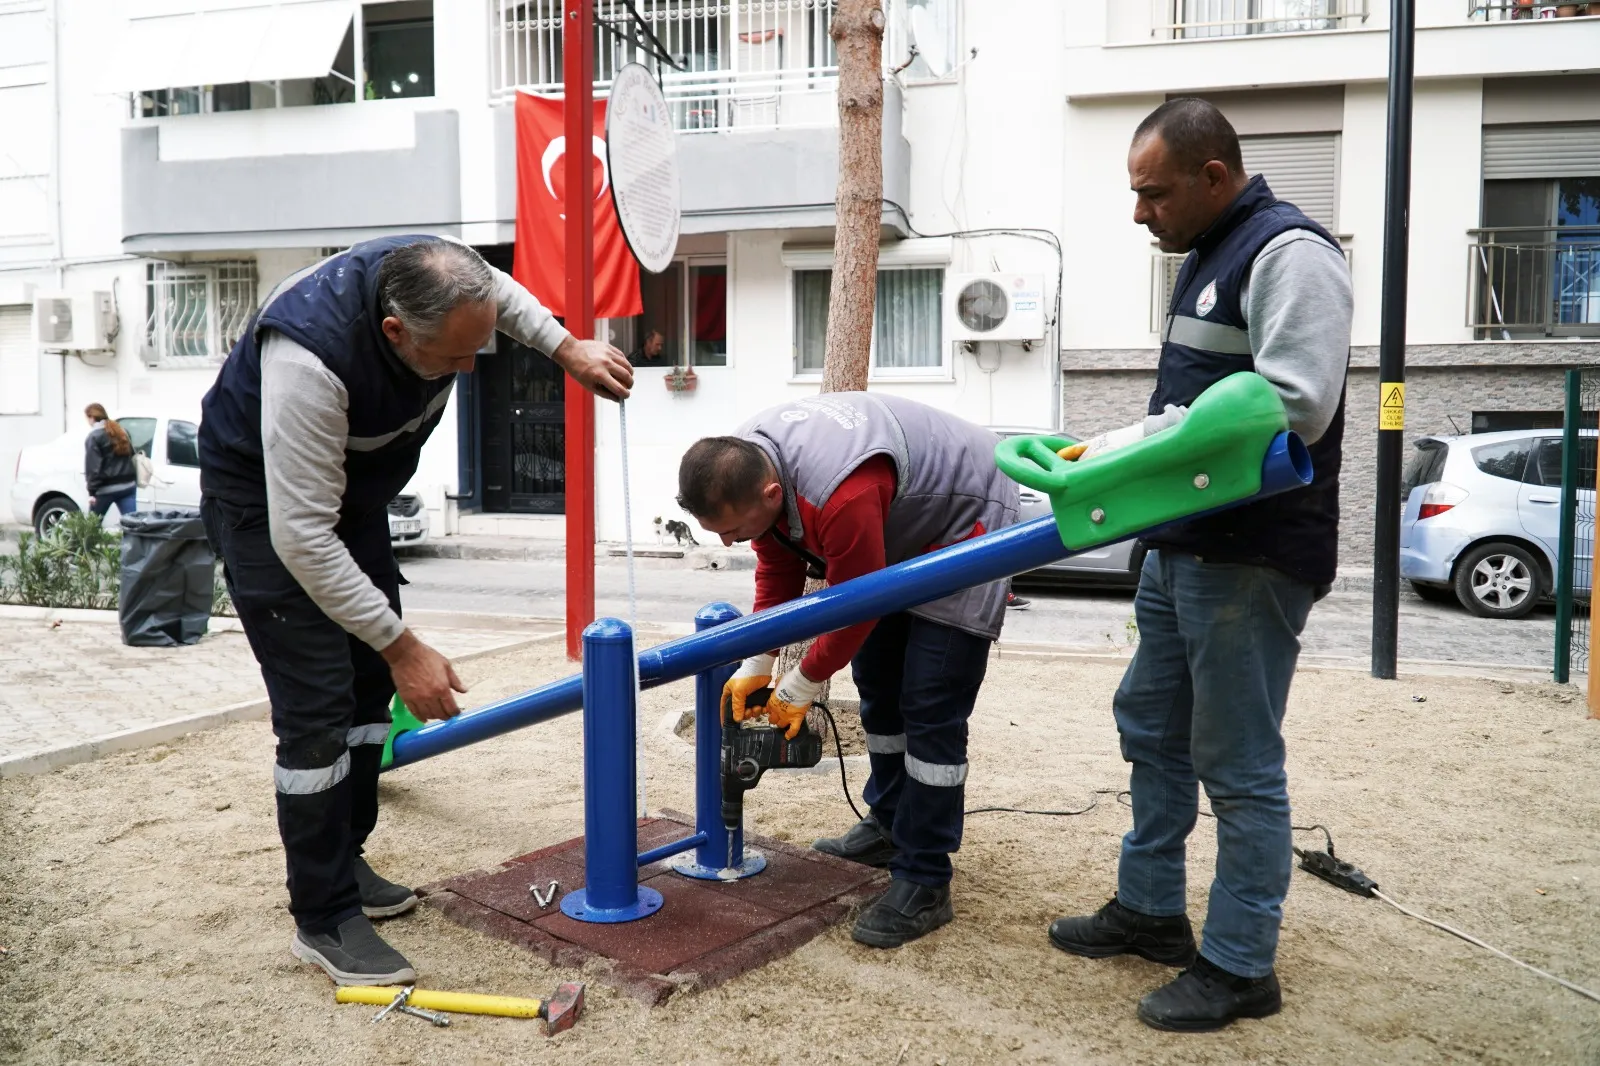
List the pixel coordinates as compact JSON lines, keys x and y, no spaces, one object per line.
{"x":941,"y":775}
{"x":376,"y":733}
{"x":306,"y":782}
{"x":880,"y":744}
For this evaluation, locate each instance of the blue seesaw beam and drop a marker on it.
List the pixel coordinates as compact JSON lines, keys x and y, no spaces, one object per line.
{"x":996,"y":555}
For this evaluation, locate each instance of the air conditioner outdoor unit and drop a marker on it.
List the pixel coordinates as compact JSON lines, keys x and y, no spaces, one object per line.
{"x":73,"y":321}
{"x":997,"y":307}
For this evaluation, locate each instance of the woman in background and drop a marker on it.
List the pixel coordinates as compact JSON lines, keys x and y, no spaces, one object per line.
{"x":108,"y":464}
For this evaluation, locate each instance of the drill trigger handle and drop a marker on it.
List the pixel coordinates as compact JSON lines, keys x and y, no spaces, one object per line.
{"x":754,"y":701}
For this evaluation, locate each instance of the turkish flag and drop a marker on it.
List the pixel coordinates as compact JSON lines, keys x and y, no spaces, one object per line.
{"x":540,"y":260}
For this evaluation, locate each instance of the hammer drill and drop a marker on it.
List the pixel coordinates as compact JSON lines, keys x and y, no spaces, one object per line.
{"x":748,"y":751}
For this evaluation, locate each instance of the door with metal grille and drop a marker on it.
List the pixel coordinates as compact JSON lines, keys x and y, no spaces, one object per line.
{"x":524,"y":442}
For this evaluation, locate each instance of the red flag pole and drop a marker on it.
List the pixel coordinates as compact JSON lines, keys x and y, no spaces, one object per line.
{"x":578,"y":55}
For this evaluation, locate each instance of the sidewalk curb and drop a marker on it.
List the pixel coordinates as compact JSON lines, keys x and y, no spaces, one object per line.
{"x":41,"y":762}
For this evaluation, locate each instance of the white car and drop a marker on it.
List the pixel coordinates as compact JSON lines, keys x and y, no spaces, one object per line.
{"x":49,"y":477}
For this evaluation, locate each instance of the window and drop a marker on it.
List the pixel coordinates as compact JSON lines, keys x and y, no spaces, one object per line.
{"x":1503,"y":460}
{"x":183,"y":443}
{"x":141,"y":433}
{"x":197,"y":310}
{"x":19,"y":362}
{"x":1507,"y":421}
{"x":685,"y":319}
{"x":1546,"y":468}
{"x":907,"y":326}
{"x":399,"y":50}
{"x":1228,"y":18}
{"x":1536,"y":266}
{"x":1426,"y":466}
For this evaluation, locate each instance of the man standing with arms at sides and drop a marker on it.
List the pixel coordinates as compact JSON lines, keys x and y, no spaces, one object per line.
{"x":837,"y":486}
{"x":315,"y":422}
{"x":1222,"y":599}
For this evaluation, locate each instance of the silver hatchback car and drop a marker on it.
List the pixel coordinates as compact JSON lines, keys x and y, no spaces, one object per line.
{"x":1482,"y":519}
{"x":1115,"y":566}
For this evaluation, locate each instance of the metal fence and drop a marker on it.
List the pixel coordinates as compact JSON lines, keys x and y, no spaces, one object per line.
{"x":1575,"y":557}
{"x":1189,"y":19}
{"x":1528,"y":283}
{"x":1510,"y":10}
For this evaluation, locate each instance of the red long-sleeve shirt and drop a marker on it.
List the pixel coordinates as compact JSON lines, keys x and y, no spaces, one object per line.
{"x":847,"y":535}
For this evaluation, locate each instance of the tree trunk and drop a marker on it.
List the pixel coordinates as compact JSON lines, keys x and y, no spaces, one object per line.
{"x":852,"y":295}
{"x":858,"y":34}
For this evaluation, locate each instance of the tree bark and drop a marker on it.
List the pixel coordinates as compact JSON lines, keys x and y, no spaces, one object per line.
{"x":858,"y":35}
{"x":853,"y":292}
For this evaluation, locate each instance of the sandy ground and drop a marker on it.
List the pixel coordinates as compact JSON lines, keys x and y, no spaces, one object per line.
{"x":141,"y":897}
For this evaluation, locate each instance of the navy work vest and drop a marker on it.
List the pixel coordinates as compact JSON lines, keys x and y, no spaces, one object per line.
{"x":1207,"y":339}
{"x":331,"y":310}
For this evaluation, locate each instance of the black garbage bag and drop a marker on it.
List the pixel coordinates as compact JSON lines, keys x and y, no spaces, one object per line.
{"x":168,"y":573}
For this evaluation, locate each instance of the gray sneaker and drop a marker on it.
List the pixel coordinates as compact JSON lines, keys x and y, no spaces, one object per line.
{"x":380,"y":898}
{"x":353,"y":954}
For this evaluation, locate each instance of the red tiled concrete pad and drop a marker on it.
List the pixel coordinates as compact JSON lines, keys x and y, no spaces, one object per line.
{"x":706,"y":931}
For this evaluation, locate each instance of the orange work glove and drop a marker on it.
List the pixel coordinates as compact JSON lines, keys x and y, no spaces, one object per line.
{"x":789,"y":702}
{"x":754,"y":673}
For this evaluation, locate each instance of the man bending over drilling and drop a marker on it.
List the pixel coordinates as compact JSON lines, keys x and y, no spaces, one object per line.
{"x":834,"y":487}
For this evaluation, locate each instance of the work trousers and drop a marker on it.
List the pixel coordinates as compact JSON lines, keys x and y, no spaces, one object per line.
{"x":1204,"y":698}
{"x":330,"y":695}
{"x":918,"y":681}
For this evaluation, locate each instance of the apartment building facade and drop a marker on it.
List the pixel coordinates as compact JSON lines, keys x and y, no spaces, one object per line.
{"x":181,"y":156}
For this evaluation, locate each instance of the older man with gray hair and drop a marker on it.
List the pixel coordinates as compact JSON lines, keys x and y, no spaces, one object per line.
{"x":316,"y":421}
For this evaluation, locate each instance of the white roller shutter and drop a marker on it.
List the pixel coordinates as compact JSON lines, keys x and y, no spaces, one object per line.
{"x":1549,"y":151}
{"x":1301,"y":168}
{"x":19,"y":362}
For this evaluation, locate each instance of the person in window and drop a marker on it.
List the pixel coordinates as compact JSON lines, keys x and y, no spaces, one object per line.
{"x":835,"y":487}
{"x":108,"y":467}
{"x":1223,"y":598}
{"x":652,"y":352}
{"x":315,"y":422}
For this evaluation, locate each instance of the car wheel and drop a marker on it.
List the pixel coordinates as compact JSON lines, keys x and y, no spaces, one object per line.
{"x":1498,"y":581}
{"x":1433,"y":593}
{"x":51,"y":510}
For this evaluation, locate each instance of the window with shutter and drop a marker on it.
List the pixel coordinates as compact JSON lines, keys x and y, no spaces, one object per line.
{"x":19,"y":362}
{"x":1301,"y":168}
{"x":1567,"y":150}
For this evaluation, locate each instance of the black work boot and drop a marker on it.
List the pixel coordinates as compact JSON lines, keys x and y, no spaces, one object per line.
{"x":353,"y":954}
{"x":1115,"y":930}
{"x":1206,"y":997}
{"x":905,"y":912}
{"x":867,"y":842}
{"x":381,"y":898}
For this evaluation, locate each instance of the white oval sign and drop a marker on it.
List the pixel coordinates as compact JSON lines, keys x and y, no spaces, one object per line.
{"x":642,"y":153}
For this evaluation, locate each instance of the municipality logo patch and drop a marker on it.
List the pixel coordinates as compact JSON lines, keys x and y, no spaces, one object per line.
{"x":1206,"y":301}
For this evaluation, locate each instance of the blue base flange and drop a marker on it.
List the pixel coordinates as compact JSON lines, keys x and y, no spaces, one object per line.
{"x":574,"y":905}
{"x":754,"y":862}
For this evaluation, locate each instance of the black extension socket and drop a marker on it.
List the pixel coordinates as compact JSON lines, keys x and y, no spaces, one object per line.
{"x":1337,"y":872}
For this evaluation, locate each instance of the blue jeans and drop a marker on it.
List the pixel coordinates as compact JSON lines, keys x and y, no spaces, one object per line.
{"x":125,"y":504}
{"x":918,"y":681}
{"x":1204,"y":698}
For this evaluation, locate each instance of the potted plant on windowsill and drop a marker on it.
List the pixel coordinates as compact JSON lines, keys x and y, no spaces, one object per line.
{"x":681,"y":379}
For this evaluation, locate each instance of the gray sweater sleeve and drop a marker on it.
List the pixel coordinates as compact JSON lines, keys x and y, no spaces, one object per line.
{"x":1298,"y":305}
{"x":304,"y":426}
{"x":524,"y":318}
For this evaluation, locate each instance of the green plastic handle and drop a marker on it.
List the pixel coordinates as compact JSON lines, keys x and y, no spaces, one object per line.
{"x":401,"y":721}
{"x":1032,"y":461}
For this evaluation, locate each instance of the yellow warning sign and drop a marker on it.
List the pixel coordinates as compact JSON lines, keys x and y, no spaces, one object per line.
{"x":1392,"y":405}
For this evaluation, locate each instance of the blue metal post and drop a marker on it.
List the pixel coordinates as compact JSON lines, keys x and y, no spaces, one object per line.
{"x":611,"y":890}
{"x":710,"y":860}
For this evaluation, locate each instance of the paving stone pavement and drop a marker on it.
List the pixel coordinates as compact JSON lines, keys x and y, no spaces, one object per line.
{"x":67,"y":684}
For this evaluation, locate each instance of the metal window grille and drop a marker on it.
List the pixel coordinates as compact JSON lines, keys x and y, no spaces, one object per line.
{"x":197,"y":311}
{"x":1534,"y":282}
{"x":1575,"y":555}
{"x":1190,"y":19}
{"x":745,"y":63}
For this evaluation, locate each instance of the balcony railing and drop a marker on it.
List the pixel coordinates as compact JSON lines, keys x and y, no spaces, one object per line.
{"x":1191,"y":19}
{"x":742,"y":63}
{"x":1529,"y":283}
{"x":1513,"y":10}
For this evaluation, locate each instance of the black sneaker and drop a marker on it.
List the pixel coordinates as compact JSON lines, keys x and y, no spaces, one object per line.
{"x":905,"y":912}
{"x":1115,"y":930}
{"x":353,"y":954}
{"x":1206,"y":997}
{"x":381,"y":898}
{"x":1017,"y":603}
{"x":867,"y":842}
